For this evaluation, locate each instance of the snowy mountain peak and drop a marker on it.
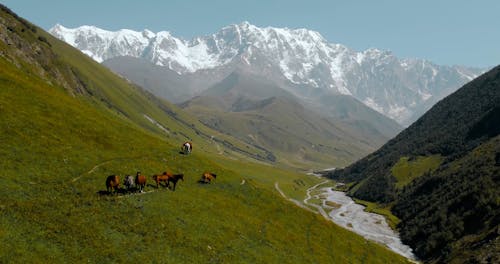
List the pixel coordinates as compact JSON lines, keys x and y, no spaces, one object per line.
{"x":208,"y":52}
{"x":392,"y":86}
{"x":148,"y":34}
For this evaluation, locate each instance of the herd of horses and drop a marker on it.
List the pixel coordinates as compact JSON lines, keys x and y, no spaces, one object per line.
{"x":138,"y":182}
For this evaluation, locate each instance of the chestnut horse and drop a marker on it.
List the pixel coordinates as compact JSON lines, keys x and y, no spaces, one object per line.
{"x":112,"y":183}
{"x":207,"y":177}
{"x":174,"y":179}
{"x":162,"y":178}
{"x":140,"y":180}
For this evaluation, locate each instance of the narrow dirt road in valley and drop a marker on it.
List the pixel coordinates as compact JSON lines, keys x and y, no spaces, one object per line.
{"x":298,"y":203}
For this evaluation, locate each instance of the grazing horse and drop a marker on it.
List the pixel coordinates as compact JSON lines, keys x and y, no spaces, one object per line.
{"x":129,"y":182}
{"x":174,"y":179}
{"x":187,"y":147}
{"x":162,"y":178}
{"x":112,"y":183}
{"x":207,"y":177}
{"x":140,"y":180}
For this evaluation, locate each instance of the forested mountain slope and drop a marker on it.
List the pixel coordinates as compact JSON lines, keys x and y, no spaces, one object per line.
{"x":442,"y":175}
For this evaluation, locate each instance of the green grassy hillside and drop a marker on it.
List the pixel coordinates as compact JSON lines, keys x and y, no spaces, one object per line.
{"x":406,"y":170}
{"x":66,"y":123}
{"x":147,"y":110}
{"x":264,"y":115}
{"x":58,"y":63}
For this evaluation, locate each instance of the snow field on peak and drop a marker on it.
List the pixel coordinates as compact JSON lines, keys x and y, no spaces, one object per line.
{"x":375,"y":77}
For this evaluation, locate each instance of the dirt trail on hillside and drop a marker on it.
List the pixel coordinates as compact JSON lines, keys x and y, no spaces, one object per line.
{"x":104,"y":163}
{"x":309,"y":197}
{"x":91,"y":170}
{"x":298,"y":203}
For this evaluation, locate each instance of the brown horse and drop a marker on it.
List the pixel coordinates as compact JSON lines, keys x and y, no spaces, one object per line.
{"x":174,"y":179}
{"x":162,"y":178}
{"x":207,"y":177}
{"x":112,"y":183}
{"x":140,"y":180}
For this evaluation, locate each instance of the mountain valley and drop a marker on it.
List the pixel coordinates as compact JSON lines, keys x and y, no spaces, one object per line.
{"x":415,"y":146}
{"x":67,"y":123}
{"x":367,"y":95}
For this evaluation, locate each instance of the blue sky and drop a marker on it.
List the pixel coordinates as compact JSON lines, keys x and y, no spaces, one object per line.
{"x":444,"y":31}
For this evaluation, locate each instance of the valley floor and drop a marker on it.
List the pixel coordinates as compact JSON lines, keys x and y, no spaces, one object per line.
{"x":337,"y":207}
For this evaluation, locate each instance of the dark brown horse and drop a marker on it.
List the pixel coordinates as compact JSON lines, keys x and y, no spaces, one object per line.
{"x":158,"y":178}
{"x":140,"y":180}
{"x":112,"y":183}
{"x":174,"y":178}
{"x":207,"y":177}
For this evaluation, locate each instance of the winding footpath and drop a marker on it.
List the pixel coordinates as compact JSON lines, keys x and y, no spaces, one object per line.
{"x":320,"y":209}
{"x":298,"y":203}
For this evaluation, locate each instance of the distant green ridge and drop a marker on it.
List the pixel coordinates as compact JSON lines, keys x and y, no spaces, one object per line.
{"x":262,"y":114}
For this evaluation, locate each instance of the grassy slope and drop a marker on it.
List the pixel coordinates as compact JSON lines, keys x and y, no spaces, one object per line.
{"x":261,"y":113}
{"x":57,"y":150}
{"x":405,"y":171}
{"x":295,"y":136}
{"x":134,"y":103}
{"x":384,"y":210}
{"x":47,"y":215}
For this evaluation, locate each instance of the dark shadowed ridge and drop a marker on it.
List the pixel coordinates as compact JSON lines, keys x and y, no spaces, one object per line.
{"x":451,"y":212}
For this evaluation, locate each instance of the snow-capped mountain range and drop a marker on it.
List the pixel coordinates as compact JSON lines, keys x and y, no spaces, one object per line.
{"x":401,"y":89}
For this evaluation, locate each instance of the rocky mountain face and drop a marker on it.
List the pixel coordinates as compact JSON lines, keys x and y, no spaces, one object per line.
{"x":308,"y":64}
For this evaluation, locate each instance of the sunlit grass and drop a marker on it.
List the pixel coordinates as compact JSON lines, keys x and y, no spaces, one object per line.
{"x":57,"y":153}
{"x":384,"y":210}
{"x":405,"y":170}
{"x":58,"y":148}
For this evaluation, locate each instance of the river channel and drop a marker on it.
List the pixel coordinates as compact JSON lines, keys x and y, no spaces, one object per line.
{"x":342,"y":210}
